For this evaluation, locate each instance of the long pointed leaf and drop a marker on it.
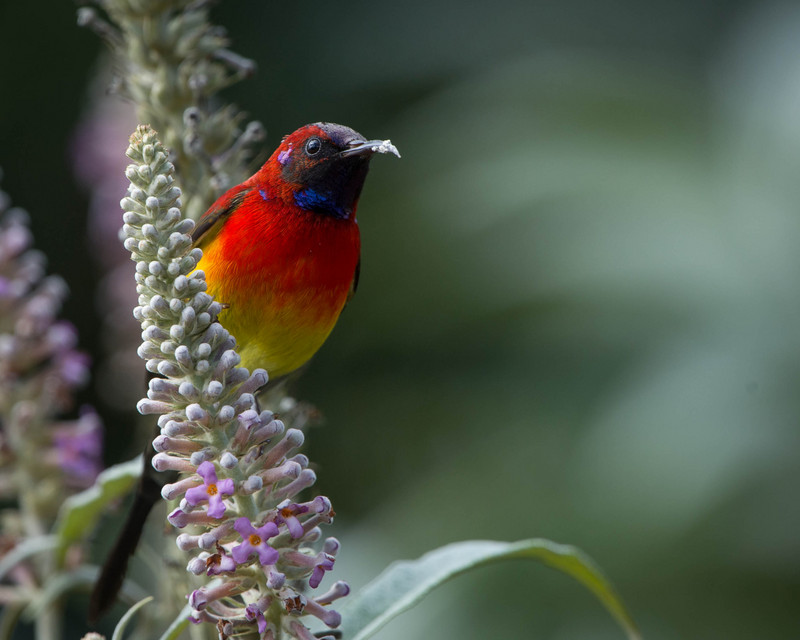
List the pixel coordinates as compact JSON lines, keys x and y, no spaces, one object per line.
{"x":56,"y":586}
{"x":405,"y":583}
{"x":124,"y":620}
{"x":180,"y":623}
{"x":83,"y":577}
{"x":25,"y":549}
{"x":80,"y":512}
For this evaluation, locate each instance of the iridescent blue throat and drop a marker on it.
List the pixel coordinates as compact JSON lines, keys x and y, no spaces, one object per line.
{"x":320,"y":202}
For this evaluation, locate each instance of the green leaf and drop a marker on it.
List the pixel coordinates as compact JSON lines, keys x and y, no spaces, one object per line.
{"x":181,"y":621}
{"x":56,"y":586}
{"x":25,"y":549}
{"x":178,"y":624}
{"x":405,"y":583}
{"x":124,"y":620}
{"x":83,"y":577}
{"x":79,"y":513}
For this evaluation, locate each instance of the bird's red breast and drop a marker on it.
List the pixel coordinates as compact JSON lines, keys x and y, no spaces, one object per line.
{"x":285,"y":274}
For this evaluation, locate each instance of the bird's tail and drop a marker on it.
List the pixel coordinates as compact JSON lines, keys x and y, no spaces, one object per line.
{"x":113,"y":571}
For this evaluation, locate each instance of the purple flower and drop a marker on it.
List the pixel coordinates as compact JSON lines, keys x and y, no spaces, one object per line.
{"x":78,"y":448}
{"x":255,"y":541}
{"x":255,"y":611}
{"x":321,"y":562}
{"x":198,"y":599}
{"x":288,"y":513}
{"x":339,"y":590}
{"x":324,"y":563}
{"x":74,"y":367}
{"x":211,"y":490}
{"x":201,"y":598}
{"x":276,"y":580}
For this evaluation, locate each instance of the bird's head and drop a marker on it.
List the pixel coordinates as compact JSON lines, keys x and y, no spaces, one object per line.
{"x":321,"y":167}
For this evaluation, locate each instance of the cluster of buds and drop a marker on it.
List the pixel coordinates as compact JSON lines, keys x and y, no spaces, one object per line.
{"x":240,"y":470}
{"x":42,"y":458}
{"x":172,"y":62}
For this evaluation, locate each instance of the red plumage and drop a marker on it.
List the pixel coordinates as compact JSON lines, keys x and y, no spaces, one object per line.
{"x":282,"y":249}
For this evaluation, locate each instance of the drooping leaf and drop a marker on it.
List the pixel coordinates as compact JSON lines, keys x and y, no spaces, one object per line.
{"x":80,"y":512}
{"x":124,"y":620}
{"x":82,"y":577}
{"x":405,"y":583}
{"x":25,"y":549}
{"x":57,"y":586}
{"x":180,"y":623}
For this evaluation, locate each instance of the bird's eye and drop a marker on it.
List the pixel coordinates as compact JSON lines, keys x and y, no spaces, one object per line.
{"x":313,"y":146}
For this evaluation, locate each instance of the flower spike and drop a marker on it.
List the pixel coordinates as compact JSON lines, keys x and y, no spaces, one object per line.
{"x":241,"y":470}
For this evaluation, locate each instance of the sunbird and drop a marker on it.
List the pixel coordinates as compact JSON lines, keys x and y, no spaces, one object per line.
{"x":282,"y":250}
{"x":281,"y":253}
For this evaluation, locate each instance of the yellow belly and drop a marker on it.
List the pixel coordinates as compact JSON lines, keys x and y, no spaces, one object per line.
{"x":278,"y":342}
{"x":284,"y":276}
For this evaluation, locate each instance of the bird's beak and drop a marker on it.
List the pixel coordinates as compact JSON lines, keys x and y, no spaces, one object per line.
{"x":361,"y":147}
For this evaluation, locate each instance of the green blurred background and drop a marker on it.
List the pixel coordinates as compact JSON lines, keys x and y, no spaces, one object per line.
{"x":579,"y":304}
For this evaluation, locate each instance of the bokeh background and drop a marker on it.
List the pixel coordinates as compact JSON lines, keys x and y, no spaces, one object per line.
{"x":580,"y":296}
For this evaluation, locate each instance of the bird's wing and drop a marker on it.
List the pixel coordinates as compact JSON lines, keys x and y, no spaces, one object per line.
{"x":212,"y":220}
{"x":354,"y":283}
